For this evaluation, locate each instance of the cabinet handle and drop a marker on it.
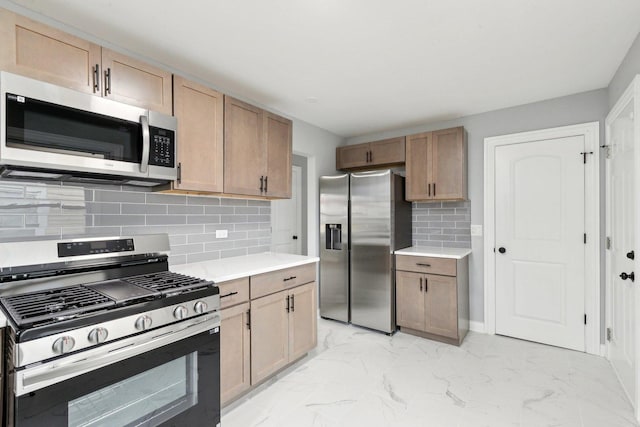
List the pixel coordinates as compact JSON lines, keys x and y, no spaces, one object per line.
{"x":293,"y":301}
{"x":288,"y":304}
{"x":96,"y":79}
{"x":429,"y":185}
{"x":179,"y":172}
{"x":286,"y":279}
{"x":421,"y":284}
{"x":249,"y":319}
{"x":366,"y":157}
{"x":265,"y":183}
{"x":261,"y":183}
{"x":423,"y":265}
{"x":370,"y":156}
{"x":434,"y":189}
{"x":230,"y":294}
{"x":426,"y":284}
{"x":107,"y":81}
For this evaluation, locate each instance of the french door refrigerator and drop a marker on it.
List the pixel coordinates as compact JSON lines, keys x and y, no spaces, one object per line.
{"x":364,"y":218}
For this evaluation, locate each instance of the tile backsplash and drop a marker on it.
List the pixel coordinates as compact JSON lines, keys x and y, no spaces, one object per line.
{"x":442,"y":224}
{"x":35,"y":210}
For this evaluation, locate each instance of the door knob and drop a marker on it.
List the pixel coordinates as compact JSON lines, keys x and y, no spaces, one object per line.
{"x":631,"y":255}
{"x":625,"y":276}
{"x":502,"y":250}
{"x":295,"y":237}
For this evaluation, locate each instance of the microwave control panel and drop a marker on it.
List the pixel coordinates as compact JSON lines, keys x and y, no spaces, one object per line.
{"x":163,"y":147}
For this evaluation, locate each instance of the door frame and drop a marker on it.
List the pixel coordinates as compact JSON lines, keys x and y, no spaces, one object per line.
{"x":632,"y":91}
{"x":591,"y":133}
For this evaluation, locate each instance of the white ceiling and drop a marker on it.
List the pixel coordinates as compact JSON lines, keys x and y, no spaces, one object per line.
{"x":372,"y":65}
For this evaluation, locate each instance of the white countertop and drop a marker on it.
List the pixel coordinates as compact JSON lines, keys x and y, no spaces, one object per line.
{"x":455,"y":253}
{"x":221,"y":270}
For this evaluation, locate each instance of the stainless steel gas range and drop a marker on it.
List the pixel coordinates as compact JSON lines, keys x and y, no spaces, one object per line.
{"x":100,"y":333}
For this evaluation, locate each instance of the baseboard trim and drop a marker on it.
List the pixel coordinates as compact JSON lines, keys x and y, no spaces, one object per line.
{"x":476,"y":326}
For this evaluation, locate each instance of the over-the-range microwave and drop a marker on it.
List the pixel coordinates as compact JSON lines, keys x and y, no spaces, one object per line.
{"x":48,"y":132}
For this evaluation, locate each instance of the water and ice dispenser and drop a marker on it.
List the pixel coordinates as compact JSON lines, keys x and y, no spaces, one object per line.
{"x":333,"y":237}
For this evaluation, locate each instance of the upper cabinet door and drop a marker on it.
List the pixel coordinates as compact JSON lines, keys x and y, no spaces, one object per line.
{"x":136,"y":83}
{"x":352,"y":156}
{"x":277,"y":134}
{"x":41,"y":52}
{"x":387,"y":152}
{"x":449,"y":164}
{"x":418,"y":167}
{"x":244,"y":149}
{"x":200,"y":115}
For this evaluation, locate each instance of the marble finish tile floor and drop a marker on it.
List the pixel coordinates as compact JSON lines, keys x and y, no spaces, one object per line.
{"x":360,"y":378}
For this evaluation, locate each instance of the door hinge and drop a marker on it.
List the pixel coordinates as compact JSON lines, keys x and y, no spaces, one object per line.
{"x":608,"y":152}
{"x":585,"y":319}
{"x":584,"y":156}
{"x":609,"y":243}
{"x":609,"y":334}
{"x":585,"y":238}
{"x":179,"y":172}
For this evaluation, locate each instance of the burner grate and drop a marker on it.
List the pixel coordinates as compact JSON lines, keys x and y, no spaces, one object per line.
{"x":167,"y":282}
{"x":54,"y":305}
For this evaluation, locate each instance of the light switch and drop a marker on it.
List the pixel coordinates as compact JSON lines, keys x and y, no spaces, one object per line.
{"x":476,"y":230}
{"x":222,"y":234}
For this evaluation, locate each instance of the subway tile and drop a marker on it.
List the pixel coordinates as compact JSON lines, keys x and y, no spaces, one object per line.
{"x":186,"y":229}
{"x":427,"y":243}
{"x":233,"y":202}
{"x":454,"y":217}
{"x":258,"y":249}
{"x":102,"y":208}
{"x":263,"y":203}
{"x":442,"y":211}
{"x":441,"y":237}
{"x":237,"y":235}
{"x":456,"y":231}
{"x":203,"y":256}
{"x":12,"y":221}
{"x":16,"y":234}
{"x":265,"y":241}
{"x":429,"y":205}
{"x":211,"y":228}
{"x":259,"y":218}
{"x":437,"y":224}
{"x":233,"y":252}
{"x":457,"y":244}
{"x":265,"y":225}
{"x":217,"y":210}
{"x":203,"y":200}
{"x":168,"y":199}
{"x":177,"y":260}
{"x":187,"y":249}
{"x":253,"y":210}
{"x":88,"y":195}
{"x":71,"y":232}
{"x":463,"y":238}
{"x":88,"y":220}
{"x":454,"y":204}
{"x":166,"y":219}
{"x":258,"y":233}
{"x":232,"y":219}
{"x":134,"y":231}
{"x":102,"y":220}
{"x":216,"y":246}
{"x":463,"y":224}
{"x":11,"y":190}
{"x":427,"y":218}
{"x":141,"y":209}
{"x":186,"y":209}
{"x":118,"y":196}
{"x":178,"y":239}
{"x":462,"y":211}
{"x":206,"y":237}
{"x":265,"y":211}
{"x":203,"y":219}
{"x":247,"y":226}
{"x":247,"y":243}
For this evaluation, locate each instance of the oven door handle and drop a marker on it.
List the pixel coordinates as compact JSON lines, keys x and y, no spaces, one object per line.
{"x":146,"y":144}
{"x":40,"y":376}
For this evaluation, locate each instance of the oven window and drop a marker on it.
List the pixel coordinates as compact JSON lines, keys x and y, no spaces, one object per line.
{"x":43,"y":126}
{"x":149,"y":398}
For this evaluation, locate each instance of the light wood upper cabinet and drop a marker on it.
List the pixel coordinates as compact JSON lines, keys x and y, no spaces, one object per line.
{"x":303,"y":327}
{"x":200,"y":115}
{"x":437,"y":165}
{"x":269,"y":335}
{"x":38,"y":51}
{"x":235,"y":345}
{"x":258,"y":151}
{"x":135,"y":82}
{"x":371,"y":155}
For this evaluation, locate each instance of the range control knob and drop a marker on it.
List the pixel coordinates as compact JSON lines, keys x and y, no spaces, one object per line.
{"x":200,"y":307}
{"x":180,"y":312}
{"x":98,"y":335}
{"x":143,"y":323}
{"x":63,"y":345}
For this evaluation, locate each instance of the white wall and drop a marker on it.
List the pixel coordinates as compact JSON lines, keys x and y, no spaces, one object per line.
{"x":584,"y":107}
{"x":629,"y":67}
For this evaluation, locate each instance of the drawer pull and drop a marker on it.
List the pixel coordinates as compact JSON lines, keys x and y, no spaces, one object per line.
{"x":289,"y":278}
{"x":230,"y":294}
{"x":422,"y":264}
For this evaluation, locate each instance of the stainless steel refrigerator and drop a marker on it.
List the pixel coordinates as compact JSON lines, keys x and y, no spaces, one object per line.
{"x":363,"y":219}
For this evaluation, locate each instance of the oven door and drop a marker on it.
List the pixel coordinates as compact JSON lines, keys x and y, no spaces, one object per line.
{"x":177,"y":383}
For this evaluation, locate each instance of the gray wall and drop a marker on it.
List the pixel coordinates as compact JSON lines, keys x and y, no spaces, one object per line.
{"x":580,"y":108}
{"x":628,"y":69}
{"x":36,"y":210}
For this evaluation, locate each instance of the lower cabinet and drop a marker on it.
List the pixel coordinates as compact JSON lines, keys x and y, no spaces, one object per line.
{"x":283,"y":329}
{"x":433,"y":305}
{"x":235,"y":373}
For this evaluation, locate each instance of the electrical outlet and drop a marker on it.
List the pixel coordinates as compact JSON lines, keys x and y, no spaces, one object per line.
{"x":476,"y":230}
{"x":222,"y":234}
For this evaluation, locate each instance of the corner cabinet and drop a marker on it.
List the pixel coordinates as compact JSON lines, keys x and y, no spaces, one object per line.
{"x":258,"y":151}
{"x":437,"y":165}
{"x":377,"y":154}
{"x":432,"y":297}
{"x":200,"y":115}
{"x":35,"y":50}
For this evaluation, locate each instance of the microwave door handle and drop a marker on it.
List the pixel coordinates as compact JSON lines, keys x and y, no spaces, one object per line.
{"x":146,"y":142}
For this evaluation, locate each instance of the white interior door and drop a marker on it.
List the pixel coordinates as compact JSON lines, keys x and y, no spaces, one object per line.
{"x":286,"y":218}
{"x":621,"y":228}
{"x":539,"y":238}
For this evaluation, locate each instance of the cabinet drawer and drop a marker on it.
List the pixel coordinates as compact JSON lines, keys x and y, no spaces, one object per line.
{"x":423,"y":264}
{"x":275,"y":281}
{"x":233,"y":292}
